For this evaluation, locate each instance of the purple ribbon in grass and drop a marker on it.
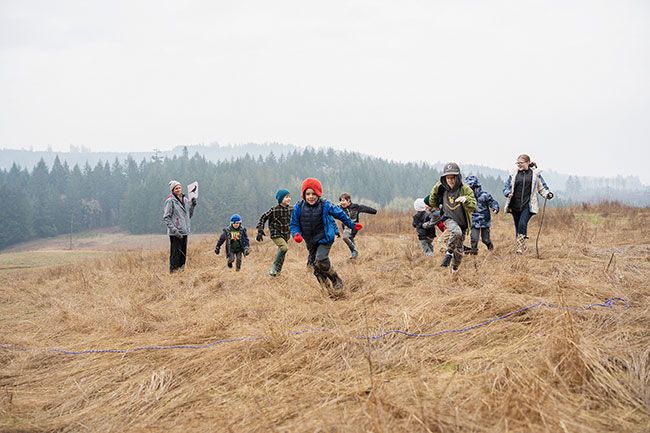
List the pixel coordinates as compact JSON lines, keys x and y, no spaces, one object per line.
{"x":608,"y":303}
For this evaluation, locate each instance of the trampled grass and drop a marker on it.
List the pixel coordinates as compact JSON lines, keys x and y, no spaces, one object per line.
{"x":545,"y":369}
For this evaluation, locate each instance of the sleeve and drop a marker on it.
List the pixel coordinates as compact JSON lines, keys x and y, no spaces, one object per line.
{"x":338,"y":213}
{"x":416,"y":221}
{"x":491,"y":202}
{"x":542,"y":188}
{"x":433,"y":197}
{"x":263,"y":219}
{"x":295,"y":220}
{"x":221,"y":240}
{"x":168,"y":212}
{"x":244,"y":238}
{"x":192,"y":206}
{"x":507,"y":187}
{"x":470,"y":203}
{"x":367,"y":209}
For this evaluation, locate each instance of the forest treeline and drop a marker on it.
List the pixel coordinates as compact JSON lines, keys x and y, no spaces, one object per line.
{"x":49,"y":201}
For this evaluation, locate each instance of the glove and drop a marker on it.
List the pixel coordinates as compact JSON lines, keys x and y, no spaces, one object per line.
{"x":461,"y":199}
{"x":496,"y":211}
{"x":338,"y":234}
{"x":549,"y":195}
{"x":297,"y":238}
{"x":178,"y":234}
{"x":260,"y":236}
{"x":217,"y":250}
{"x":441,"y":226}
{"x":428,"y":224}
{"x":193,"y":201}
{"x":357,"y":227}
{"x":247,"y":251}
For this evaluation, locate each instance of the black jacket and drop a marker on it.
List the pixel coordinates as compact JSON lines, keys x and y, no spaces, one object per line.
{"x":420,"y":218}
{"x":353,"y":211}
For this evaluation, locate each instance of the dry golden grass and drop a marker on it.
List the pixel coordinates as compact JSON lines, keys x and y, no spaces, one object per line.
{"x":544,"y":370}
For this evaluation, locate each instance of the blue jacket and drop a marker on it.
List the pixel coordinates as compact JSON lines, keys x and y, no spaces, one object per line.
{"x":481,"y":217}
{"x":330,"y":211}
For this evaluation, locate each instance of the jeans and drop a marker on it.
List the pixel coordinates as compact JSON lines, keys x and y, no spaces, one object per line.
{"x":521,"y":221}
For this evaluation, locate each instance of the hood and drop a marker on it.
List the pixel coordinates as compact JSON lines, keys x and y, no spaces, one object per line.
{"x":459,"y":182}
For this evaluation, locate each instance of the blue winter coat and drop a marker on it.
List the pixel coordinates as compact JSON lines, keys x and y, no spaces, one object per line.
{"x":481,"y":217}
{"x":330,"y":211}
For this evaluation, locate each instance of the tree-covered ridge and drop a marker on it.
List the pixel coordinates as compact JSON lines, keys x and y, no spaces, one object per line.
{"x":56,"y":200}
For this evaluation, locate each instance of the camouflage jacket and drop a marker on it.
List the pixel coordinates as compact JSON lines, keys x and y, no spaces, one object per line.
{"x":481,"y":217}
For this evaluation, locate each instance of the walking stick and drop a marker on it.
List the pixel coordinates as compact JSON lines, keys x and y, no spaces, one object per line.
{"x":540,"y":227}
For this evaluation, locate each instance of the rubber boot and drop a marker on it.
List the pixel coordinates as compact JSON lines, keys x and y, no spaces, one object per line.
{"x":336,"y":292}
{"x":276,"y":267}
{"x":521,"y":244}
{"x":322,"y":279}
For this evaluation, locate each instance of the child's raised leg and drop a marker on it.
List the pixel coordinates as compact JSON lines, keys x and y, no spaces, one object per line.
{"x":276,"y":268}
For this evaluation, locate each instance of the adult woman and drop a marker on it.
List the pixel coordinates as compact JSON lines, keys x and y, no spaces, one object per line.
{"x":520,"y":189}
{"x":176,"y":215}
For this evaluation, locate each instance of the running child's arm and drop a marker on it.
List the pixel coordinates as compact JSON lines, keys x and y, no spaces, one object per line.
{"x":294,"y":225}
{"x":367,"y":209}
{"x":338,"y":213}
{"x":263,"y":219}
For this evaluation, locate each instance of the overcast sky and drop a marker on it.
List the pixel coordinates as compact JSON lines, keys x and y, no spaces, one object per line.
{"x":564,"y":81}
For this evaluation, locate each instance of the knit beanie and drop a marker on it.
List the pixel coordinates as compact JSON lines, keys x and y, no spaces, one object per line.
{"x":172,"y":184}
{"x":312,"y":183}
{"x":426,"y":200}
{"x":281,"y":194}
{"x":236,"y":218}
{"x":418,"y":205}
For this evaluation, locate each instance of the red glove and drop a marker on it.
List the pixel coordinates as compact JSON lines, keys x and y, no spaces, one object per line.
{"x":297,"y":238}
{"x":441,"y":226}
{"x":357,"y":227}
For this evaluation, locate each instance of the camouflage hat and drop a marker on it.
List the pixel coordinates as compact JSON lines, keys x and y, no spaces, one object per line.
{"x":451,"y":168}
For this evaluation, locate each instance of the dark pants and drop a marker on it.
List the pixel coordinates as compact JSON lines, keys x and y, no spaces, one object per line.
{"x":319,"y":256}
{"x":521,"y":221}
{"x":177,"y":252}
{"x":235,"y":257}
{"x":485,"y":237}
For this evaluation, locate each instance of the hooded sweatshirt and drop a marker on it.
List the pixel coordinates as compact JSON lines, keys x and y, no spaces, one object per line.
{"x":443,"y":194}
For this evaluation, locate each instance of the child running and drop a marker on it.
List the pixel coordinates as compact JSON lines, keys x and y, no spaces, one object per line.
{"x":279,"y":218}
{"x":236,"y":241}
{"x":312,"y":220}
{"x":481,"y":218}
{"x":458,"y":203}
{"x":352,"y":210}
{"x":424,"y":222}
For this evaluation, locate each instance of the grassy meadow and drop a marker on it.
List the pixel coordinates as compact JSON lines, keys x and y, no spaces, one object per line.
{"x":548,"y":368}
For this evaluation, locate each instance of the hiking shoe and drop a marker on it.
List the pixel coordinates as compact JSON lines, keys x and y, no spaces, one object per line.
{"x":446,"y":260}
{"x":454,"y":270}
{"x":490,"y":246}
{"x":354,"y":254}
{"x":230,"y":265}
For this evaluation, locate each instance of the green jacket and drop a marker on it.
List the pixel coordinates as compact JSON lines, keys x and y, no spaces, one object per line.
{"x":435,"y":199}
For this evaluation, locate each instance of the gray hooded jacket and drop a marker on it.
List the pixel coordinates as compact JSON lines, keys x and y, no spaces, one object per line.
{"x":177,"y":216}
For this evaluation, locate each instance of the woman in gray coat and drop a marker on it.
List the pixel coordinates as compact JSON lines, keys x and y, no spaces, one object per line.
{"x":178,"y":211}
